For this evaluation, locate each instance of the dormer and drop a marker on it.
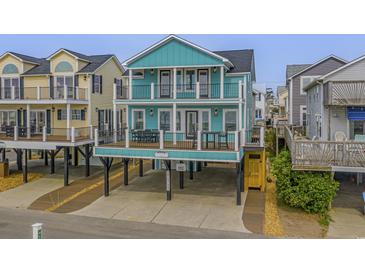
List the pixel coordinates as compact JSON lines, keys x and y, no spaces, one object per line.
{"x":13,"y":64}
{"x":67,"y":62}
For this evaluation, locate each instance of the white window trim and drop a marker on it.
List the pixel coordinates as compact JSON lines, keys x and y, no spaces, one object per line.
{"x":64,"y":75}
{"x":301,"y":114}
{"x":97,"y":91}
{"x":144,"y":117}
{"x":200,"y":113}
{"x":224,"y":117}
{"x":138,"y":77}
{"x":301,"y":82}
{"x":185,"y":82}
{"x":9,"y":110}
{"x":158,"y":118}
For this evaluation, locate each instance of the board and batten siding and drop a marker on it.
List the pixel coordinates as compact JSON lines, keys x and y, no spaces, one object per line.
{"x":174,"y":53}
{"x":324,"y":67}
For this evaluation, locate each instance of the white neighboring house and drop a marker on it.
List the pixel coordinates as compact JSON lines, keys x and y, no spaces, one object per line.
{"x":336,"y":103}
{"x":260,"y":90}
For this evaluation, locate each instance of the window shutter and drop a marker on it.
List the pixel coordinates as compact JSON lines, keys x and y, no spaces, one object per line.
{"x":21,"y":91}
{"x":48,"y":120}
{"x":83,"y":114}
{"x":101,"y":84}
{"x":59,"y":114}
{"x":51,"y":88}
{"x":19,"y":118}
{"x":93,"y":83}
{"x":99,"y":122}
{"x":24,"y":117}
{"x":76,"y":84}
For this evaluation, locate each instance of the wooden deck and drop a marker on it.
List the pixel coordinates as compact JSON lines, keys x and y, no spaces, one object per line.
{"x":39,"y":137}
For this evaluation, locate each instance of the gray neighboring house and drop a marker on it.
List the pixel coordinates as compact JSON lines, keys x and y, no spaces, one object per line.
{"x":298,"y":76}
{"x":336,"y":103}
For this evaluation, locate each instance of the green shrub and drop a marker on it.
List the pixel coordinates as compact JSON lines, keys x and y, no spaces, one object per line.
{"x":270,"y":142}
{"x":311,"y":191}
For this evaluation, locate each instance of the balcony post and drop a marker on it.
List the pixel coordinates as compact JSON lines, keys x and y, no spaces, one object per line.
{"x":174,"y":89}
{"x":114,"y":91}
{"x":77,"y":95}
{"x":65,"y":92}
{"x":115,"y":121}
{"x":91,"y":132}
{"x":197,"y":90}
{"x":126,"y":138}
{"x":44,"y":134}
{"x":73,"y":135}
{"x":161,"y":139}
{"x":236,"y":147}
{"x":28,"y":121}
{"x":130,"y":85}
{"x":240,"y":115}
{"x":68,"y":114}
{"x":239,"y":89}
{"x":245,"y":104}
{"x":38,"y":93}
{"x":15,"y":133}
{"x":152,"y":91}
{"x":96,"y":140}
{"x":222,"y":83}
{"x":199,"y":140}
{"x":243,"y":137}
{"x":174,"y":123}
{"x":12,"y":93}
{"x":262,"y":136}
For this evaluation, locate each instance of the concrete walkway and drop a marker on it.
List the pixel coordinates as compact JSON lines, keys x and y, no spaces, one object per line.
{"x":347,"y":223}
{"x":206,"y":202}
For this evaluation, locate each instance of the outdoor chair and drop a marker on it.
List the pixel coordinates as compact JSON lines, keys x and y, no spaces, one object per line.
{"x":223,"y":140}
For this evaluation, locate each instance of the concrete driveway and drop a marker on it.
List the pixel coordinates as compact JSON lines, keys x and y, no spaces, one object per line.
{"x":208,"y":201}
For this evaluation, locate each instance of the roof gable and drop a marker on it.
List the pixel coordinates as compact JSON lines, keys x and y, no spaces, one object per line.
{"x":22,"y":58}
{"x":74,"y":54}
{"x":175,"y":51}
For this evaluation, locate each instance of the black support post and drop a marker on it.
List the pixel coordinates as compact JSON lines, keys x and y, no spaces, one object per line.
{"x":3,"y":154}
{"x":168,"y":179}
{"x":45,"y":153}
{"x":87,"y":160}
{"x":29,"y":154}
{"x":76,"y":157}
{"x":199,"y":166}
{"x":153,"y":164}
{"x":191,"y":171}
{"x":52,"y":160}
{"x":107,"y":162}
{"x":140,"y":167}
{"x":181,"y":178}
{"x":205,"y":164}
{"x":19,"y":158}
{"x":126,"y":161}
{"x":66,"y":156}
{"x":25,"y":168}
{"x":238,"y":185}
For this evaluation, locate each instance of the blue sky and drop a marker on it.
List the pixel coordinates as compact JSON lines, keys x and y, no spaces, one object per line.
{"x":272,"y":52}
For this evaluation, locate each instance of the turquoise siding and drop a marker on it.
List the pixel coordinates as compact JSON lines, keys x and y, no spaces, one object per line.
{"x":175,"y":53}
{"x":172,"y":154}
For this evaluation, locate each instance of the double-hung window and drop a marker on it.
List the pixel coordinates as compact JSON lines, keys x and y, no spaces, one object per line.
{"x":190,"y":79}
{"x":205,"y":120}
{"x":97,"y":84}
{"x":138,"y":119}
{"x":304,"y":81}
{"x":230,"y":120}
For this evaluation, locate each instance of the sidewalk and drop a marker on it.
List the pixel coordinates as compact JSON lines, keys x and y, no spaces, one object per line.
{"x":346,"y":223}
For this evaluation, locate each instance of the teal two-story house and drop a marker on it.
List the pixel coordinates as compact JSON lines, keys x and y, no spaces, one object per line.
{"x":185,"y":106}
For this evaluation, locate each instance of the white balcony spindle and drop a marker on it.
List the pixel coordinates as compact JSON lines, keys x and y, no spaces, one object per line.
{"x":15,"y":133}
{"x":236,"y":147}
{"x":152,"y":91}
{"x":96,"y":140}
{"x":44,"y":134}
{"x":161,"y":139}
{"x":38,"y":93}
{"x":197,"y":90}
{"x":199,"y":140}
{"x":126,"y":138}
{"x":114,"y":91}
{"x":72,"y":134}
{"x":65,"y":92}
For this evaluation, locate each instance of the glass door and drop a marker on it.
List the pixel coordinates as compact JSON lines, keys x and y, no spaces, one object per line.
{"x":165,"y":84}
{"x":8,"y":85}
{"x":7,"y":118}
{"x":37,"y":121}
{"x":61,"y":82}
{"x":357,"y":130}
{"x":203,"y":78}
{"x":191,"y":124}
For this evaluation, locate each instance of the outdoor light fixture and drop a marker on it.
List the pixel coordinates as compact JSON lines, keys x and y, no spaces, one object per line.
{"x":151,"y":112}
{"x":85,"y":77}
{"x":215,"y":112}
{"x":96,"y":109}
{"x":53,"y":109}
{"x":152,"y":71}
{"x":215,"y":69}
{"x":85,"y":109}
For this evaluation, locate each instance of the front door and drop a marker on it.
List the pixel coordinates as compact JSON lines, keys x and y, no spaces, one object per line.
{"x":37,"y":121}
{"x":191,"y":124}
{"x":165,"y":84}
{"x":203,"y":79}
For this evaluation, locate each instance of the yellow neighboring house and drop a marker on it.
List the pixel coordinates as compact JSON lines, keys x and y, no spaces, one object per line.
{"x":56,"y":102}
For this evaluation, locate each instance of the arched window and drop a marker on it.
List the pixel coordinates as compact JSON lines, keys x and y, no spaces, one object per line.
{"x":63,"y":67}
{"x":10,"y":69}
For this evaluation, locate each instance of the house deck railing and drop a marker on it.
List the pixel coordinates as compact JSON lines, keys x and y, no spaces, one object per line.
{"x":192,"y":91}
{"x":316,"y":153}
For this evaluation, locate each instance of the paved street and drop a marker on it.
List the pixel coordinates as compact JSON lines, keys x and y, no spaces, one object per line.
{"x":16,"y":223}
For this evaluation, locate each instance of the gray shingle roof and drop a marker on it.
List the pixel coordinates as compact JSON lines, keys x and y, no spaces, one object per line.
{"x":294,"y":69}
{"x":27,"y":58}
{"x":95,"y":62}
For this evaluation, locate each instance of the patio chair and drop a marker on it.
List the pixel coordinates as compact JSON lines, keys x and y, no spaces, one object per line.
{"x":340,"y":136}
{"x":223,"y":140}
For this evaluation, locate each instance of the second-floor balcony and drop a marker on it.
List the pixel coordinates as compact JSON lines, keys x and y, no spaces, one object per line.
{"x":191,"y":91}
{"x":43,"y":93}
